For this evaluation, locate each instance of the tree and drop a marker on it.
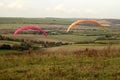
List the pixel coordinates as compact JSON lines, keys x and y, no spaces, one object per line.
{"x":25,"y":46}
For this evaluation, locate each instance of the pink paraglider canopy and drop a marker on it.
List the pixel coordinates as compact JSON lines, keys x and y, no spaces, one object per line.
{"x":29,"y":27}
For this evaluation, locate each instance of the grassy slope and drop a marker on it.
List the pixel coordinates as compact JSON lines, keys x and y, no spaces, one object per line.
{"x":59,"y":63}
{"x":62,"y":64}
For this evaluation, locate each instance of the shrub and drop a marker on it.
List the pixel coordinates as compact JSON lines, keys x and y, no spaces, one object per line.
{"x":5,"y":46}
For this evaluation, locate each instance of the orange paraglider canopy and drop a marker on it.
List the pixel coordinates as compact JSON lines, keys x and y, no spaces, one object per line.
{"x":81,"y":21}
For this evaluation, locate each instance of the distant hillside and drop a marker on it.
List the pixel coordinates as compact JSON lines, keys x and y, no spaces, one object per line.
{"x":34,"y":21}
{"x":64,"y":21}
{"x":114,"y":21}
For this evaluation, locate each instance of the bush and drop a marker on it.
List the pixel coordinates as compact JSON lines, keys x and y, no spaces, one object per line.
{"x":25,"y":46}
{"x":5,"y":46}
{"x":1,"y":38}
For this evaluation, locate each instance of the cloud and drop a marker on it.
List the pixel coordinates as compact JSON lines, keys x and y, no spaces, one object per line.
{"x":14,"y":4}
{"x":1,"y":4}
{"x":89,"y":11}
{"x":59,"y":7}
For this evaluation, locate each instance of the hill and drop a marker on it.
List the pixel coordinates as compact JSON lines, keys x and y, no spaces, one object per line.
{"x":114,"y":21}
{"x":34,"y":21}
{"x":11,"y":20}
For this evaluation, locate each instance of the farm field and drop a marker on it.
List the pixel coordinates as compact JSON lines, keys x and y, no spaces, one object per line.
{"x":75,"y":38}
{"x":63,"y":38}
{"x":72,"y":38}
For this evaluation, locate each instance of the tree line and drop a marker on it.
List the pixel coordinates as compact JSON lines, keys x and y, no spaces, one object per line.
{"x":27,"y":44}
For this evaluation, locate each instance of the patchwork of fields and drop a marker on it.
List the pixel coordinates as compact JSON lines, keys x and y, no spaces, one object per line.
{"x":90,"y":52}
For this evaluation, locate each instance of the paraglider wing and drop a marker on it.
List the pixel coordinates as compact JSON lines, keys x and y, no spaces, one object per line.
{"x":29,"y":27}
{"x":81,"y":21}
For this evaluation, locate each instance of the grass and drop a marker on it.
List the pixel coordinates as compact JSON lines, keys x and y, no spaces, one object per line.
{"x":35,"y":37}
{"x":90,"y":44}
{"x":54,"y":38}
{"x":13,"y":26}
{"x":109,"y":41}
{"x":75,"y":38}
{"x":62,"y":64}
{"x":8,"y":51}
{"x":9,"y":42}
{"x":35,"y":21}
{"x":71,"y":62}
{"x":69,"y":38}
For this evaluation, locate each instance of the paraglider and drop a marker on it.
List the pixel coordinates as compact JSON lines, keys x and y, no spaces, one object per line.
{"x":81,"y":21}
{"x":30,"y":27}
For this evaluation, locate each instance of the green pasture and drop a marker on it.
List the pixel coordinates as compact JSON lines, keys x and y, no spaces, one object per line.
{"x":75,"y":38}
{"x":108,"y":41}
{"x":8,"y":51}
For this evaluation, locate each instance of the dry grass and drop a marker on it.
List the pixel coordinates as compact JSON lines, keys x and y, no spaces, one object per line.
{"x":62,"y":63}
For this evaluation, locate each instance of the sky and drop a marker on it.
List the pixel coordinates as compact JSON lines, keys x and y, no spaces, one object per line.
{"x":60,"y":8}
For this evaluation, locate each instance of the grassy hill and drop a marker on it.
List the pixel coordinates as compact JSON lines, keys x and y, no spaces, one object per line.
{"x":62,"y":63}
{"x":7,"y":20}
{"x":75,"y":61}
{"x":34,"y":21}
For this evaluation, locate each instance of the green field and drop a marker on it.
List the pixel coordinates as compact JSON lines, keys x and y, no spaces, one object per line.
{"x":35,"y":21}
{"x":75,"y":38}
{"x":13,"y":26}
{"x":9,"y":42}
{"x":8,"y":51}
{"x":72,"y":38}
{"x":69,"y":38}
{"x":108,"y":41}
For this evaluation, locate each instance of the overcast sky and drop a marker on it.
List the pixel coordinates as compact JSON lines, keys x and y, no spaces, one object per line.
{"x":60,"y":8}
